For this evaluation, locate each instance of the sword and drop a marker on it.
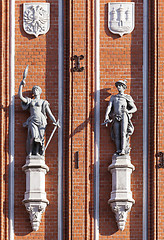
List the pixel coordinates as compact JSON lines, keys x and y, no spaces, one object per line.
{"x":56,"y":125}
{"x":25,"y":75}
{"x":106,"y":122}
{"x":25,"y":72}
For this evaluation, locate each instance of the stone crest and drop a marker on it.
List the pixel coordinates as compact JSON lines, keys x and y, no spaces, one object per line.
{"x":36,"y":18}
{"x":121,"y":17}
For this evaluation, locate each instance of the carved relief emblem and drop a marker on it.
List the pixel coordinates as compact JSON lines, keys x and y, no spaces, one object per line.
{"x":36,"y":18}
{"x":121,"y":17}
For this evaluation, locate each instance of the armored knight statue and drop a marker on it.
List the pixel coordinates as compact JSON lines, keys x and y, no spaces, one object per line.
{"x":37,"y":122}
{"x":119,"y":113}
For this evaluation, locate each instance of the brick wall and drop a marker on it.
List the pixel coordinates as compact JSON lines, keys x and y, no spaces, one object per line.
{"x":41,"y":54}
{"x":4,"y":119}
{"x":158,"y":118}
{"x":120,"y":58}
{"x":79,"y":182}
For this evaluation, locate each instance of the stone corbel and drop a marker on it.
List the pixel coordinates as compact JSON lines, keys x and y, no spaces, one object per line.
{"x":35,"y":199}
{"x":35,"y":209}
{"x":121,"y":199}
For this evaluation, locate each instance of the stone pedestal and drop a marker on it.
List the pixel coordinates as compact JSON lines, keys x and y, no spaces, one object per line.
{"x":121,"y":199}
{"x":35,"y":199}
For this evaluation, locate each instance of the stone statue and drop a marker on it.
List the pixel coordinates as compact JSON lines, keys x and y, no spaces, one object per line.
{"x":119,"y":113}
{"x":37,"y":122}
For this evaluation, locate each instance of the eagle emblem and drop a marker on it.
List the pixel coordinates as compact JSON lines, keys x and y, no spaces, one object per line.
{"x":36,"y":18}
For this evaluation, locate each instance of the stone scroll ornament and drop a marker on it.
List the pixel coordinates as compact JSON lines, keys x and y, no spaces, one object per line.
{"x":36,"y":18}
{"x":121,"y":17}
{"x":119,"y":113}
{"x":35,"y":199}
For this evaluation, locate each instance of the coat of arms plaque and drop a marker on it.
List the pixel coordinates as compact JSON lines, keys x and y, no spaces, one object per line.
{"x":36,"y":18}
{"x":121,"y":17}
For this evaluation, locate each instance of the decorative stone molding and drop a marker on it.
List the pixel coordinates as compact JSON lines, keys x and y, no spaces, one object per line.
{"x":121,"y":199}
{"x":36,"y":18}
{"x":121,"y":210}
{"x":121,"y":17}
{"x":35,"y":209}
{"x":34,"y":161}
{"x":35,"y":199}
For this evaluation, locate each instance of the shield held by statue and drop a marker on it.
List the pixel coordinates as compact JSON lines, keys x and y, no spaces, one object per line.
{"x":36,"y":18}
{"x":121,"y":17}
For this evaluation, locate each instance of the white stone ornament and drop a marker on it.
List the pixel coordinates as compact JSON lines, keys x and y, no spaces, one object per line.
{"x":35,"y":199}
{"x":36,"y":18}
{"x":121,"y":16}
{"x":121,"y":199}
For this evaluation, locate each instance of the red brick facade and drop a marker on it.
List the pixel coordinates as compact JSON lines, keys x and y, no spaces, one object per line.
{"x":120,"y":58}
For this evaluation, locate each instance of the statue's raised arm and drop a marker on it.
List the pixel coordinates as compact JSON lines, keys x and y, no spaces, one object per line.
{"x":23,"y":99}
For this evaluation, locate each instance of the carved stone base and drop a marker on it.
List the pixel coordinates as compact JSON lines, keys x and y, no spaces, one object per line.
{"x":35,"y":209}
{"x":121,"y":210}
{"x":121,"y":199}
{"x":35,"y":199}
{"x":34,"y":161}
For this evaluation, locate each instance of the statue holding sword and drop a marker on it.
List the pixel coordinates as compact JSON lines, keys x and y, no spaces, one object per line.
{"x":119,"y":113}
{"x":37,"y":121}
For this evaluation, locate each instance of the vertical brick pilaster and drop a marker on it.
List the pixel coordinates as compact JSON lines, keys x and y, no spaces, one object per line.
{"x":4,"y":110}
{"x":81,"y":122}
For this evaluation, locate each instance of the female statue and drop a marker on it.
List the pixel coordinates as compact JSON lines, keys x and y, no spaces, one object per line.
{"x":37,"y":122}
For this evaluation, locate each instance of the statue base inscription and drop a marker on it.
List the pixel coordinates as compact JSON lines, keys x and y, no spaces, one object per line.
{"x":121,"y":199}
